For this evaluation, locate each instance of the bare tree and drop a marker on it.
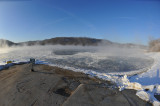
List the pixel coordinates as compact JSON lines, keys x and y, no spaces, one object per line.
{"x":154,"y":45}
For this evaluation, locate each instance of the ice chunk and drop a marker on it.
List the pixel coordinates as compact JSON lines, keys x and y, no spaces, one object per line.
{"x":158,"y":89}
{"x":143,"y":95}
{"x":156,"y":103}
{"x":134,"y":85}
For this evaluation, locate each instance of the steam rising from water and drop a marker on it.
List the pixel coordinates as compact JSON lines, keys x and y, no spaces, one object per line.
{"x":98,"y":58}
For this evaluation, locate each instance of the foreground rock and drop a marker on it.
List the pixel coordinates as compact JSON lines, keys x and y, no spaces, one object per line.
{"x":52,"y":86}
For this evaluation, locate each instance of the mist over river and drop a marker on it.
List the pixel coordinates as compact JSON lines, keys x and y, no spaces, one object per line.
{"x":103,"y":59}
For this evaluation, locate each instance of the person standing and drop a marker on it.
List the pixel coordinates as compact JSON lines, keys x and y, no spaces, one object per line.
{"x":32,"y":61}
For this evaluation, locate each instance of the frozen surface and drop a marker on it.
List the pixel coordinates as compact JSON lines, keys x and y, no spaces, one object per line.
{"x":152,"y":76}
{"x":110,"y":64}
{"x":150,"y":81}
{"x":99,"y":59}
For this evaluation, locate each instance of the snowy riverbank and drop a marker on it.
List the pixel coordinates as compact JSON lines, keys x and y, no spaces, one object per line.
{"x":147,"y":83}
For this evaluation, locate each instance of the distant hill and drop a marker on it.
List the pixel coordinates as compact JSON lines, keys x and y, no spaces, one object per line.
{"x":83,"y":41}
{"x":66,"y":41}
{"x":56,"y":41}
{"x":6,"y":43}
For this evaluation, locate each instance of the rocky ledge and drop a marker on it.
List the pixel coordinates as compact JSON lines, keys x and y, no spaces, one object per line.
{"x":53,"y":86}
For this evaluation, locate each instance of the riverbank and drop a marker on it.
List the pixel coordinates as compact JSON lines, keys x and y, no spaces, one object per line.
{"x":49,"y":86}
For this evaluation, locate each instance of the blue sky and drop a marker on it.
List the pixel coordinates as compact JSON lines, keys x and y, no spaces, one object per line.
{"x":121,"y":21}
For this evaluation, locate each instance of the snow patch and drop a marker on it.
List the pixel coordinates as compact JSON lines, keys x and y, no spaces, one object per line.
{"x":143,"y":95}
